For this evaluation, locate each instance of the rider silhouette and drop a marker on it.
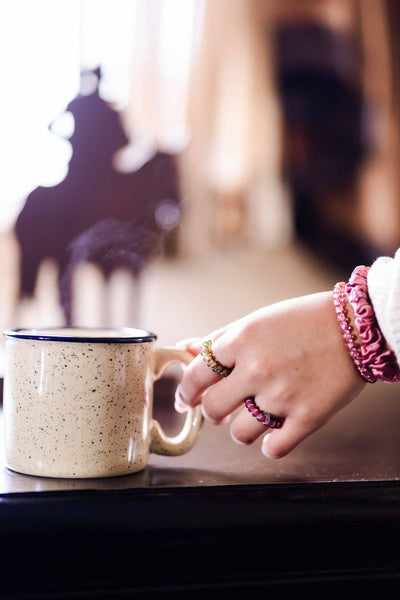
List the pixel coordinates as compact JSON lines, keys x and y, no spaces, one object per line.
{"x":96,"y":213}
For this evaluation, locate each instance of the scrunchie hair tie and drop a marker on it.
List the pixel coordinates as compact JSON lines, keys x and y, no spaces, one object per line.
{"x":375,"y":354}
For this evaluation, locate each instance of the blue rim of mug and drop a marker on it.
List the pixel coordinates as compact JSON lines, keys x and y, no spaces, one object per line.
{"x":128,"y":335}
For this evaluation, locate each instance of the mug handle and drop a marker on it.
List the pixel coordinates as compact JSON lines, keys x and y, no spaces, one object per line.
{"x":185,"y":439}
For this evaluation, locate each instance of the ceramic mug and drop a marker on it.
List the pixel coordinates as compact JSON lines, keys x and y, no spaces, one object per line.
{"x":78,"y":402}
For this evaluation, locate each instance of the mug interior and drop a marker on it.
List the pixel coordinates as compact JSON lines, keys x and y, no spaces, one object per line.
{"x":84,"y":334}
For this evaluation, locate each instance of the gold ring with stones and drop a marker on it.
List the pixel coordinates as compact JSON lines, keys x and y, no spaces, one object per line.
{"x":212,"y":362}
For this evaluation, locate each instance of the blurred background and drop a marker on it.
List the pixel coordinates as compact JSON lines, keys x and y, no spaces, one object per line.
{"x":175,"y":164}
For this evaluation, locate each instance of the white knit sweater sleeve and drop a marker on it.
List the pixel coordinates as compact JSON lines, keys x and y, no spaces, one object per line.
{"x":384,"y":292}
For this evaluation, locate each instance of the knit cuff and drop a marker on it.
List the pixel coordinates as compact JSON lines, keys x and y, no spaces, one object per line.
{"x":384,"y":292}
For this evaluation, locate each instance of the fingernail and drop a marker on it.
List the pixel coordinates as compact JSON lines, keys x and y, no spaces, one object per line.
{"x":264,"y":448}
{"x":235,"y":439}
{"x":190,"y":344}
{"x":180,"y":408}
{"x":180,"y":404}
{"x":206,"y":416}
{"x":225,"y":420}
{"x":182,"y":345}
{"x":178,"y":394}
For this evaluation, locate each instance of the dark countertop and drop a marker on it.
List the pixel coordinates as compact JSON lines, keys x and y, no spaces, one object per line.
{"x":361,"y":443}
{"x":220,"y":521}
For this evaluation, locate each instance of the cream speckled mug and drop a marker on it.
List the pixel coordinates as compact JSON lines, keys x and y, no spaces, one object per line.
{"x":78,"y":402}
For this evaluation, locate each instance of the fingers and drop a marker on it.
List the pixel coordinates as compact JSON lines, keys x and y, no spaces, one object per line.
{"x":245,"y":429}
{"x":277,"y":443}
{"x":223,"y":398}
{"x":193,"y":344}
{"x":280,"y":442}
{"x":198,"y":377}
{"x":220,"y":396}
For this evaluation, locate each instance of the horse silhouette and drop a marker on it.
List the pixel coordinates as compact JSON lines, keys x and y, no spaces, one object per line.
{"x":96,"y":213}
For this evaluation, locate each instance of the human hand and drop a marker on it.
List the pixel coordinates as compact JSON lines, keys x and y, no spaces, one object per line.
{"x":291,"y":357}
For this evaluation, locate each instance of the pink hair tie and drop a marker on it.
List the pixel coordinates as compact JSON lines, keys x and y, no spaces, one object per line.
{"x":339,"y":301}
{"x":374,"y":351}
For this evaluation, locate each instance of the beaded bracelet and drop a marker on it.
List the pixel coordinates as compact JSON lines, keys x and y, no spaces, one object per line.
{"x":339,"y":301}
{"x":375,"y":354}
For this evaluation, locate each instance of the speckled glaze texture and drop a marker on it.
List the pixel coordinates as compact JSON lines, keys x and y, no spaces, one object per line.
{"x":82,"y":409}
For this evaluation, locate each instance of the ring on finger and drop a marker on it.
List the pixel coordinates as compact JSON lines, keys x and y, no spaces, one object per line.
{"x":212,"y":362}
{"x":270,"y":421}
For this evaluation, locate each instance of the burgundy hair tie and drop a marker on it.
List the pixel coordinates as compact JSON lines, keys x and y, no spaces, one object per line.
{"x":270,"y":421}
